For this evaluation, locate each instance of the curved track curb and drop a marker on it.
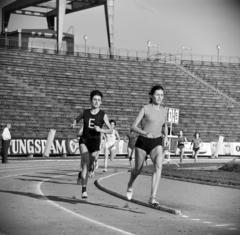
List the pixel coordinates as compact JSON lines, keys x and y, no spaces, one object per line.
{"x":161,"y":208}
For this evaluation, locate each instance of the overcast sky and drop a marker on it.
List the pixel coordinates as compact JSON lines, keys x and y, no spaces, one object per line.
{"x":200,"y":24}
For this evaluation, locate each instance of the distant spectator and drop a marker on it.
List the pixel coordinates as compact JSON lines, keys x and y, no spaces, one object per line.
{"x":6,"y":139}
{"x":181,"y":141}
{"x":197,"y":143}
{"x":110,"y":144}
{"x":132,"y":138}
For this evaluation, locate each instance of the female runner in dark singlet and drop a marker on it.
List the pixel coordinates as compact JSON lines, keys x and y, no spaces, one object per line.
{"x":150,"y":140}
{"x":93,"y":120}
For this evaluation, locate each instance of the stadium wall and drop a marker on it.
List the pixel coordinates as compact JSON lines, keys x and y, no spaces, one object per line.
{"x":70,"y":147}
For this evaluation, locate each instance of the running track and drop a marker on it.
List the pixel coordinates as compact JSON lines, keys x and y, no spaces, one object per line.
{"x":42,"y":198}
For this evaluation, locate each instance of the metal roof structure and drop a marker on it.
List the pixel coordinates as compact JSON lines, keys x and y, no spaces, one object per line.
{"x":58,"y":8}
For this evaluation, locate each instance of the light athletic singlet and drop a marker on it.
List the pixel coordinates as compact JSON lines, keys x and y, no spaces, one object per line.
{"x":111,"y":138}
{"x":154,"y":119}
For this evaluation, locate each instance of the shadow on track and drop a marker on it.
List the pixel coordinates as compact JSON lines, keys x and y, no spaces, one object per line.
{"x":68,"y":200}
{"x":48,"y":181}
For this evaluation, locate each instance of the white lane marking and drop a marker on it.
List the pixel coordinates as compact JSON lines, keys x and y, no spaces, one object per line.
{"x":207,"y":222}
{"x":223,"y":225}
{"x":196,"y":219}
{"x":108,"y":176}
{"x":76,"y":214}
{"x":232,"y":228}
{"x":185,"y":216}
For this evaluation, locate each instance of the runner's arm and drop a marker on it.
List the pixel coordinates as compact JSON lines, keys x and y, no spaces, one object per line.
{"x":105,"y":131}
{"x":166,"y":133}
{"x":77,"y":119}
{"x":137,"y":121}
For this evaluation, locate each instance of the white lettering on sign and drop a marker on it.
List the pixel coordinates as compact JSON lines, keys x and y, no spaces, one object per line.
{"x":91,"y":123}
{"x":36,"y":146}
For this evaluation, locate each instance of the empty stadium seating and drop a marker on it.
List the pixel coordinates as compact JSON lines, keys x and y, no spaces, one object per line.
{"x":41,"y":91}
{"x":224,"y":76}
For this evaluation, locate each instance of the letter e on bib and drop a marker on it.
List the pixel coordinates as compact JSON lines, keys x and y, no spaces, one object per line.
{"x":91,"y":123}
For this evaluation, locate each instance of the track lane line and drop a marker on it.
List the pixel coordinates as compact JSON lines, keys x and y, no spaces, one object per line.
{"x":76,"y":214}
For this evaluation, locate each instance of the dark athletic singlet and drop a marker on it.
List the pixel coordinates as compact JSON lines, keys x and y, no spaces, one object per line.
{"x":90,"y":137}
{"x":90,"y":120}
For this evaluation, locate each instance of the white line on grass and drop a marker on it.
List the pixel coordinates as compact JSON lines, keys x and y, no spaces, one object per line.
{"x":76,"y":214}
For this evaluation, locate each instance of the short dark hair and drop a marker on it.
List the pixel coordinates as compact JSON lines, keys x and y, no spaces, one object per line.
{"x":195,"y":135}
{"x":96,"y":92}
{"x":181,"y":131}
{"x":113,"y":122}
{"x":153,"y":89}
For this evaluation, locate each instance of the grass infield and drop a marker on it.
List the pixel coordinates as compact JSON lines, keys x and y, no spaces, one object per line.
{"x":203,"y":172}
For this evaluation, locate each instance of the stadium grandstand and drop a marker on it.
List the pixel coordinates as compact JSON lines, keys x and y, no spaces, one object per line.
{"x":44,"y":87}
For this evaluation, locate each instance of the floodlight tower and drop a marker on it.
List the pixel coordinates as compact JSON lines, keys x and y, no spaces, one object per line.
{"x":57,"y":9}
{"x":109,"y":15}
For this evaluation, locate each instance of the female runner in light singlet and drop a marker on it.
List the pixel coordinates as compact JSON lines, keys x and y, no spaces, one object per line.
{"x":150,"y":140}
{"x":93,"y":120}
{"x":110,"y":144}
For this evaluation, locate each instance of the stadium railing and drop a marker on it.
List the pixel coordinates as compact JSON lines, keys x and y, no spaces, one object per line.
{"x":101,"y":52}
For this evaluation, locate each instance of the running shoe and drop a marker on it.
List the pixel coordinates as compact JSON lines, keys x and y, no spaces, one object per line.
{"x":84,"y":195}
{"x":152,"y":201}
{"x":105,"y":170}
{"x":129,"y":194}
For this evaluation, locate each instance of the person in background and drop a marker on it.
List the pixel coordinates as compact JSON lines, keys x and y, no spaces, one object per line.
{"x":182,"y":140}
{"x":131,"y":137}
{"x":101,"y":146}
{"x":197,"y":144}
{"x":110,"y":144}
{"x":6,"y":139}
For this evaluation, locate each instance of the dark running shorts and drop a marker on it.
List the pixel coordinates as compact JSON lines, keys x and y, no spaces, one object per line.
{"x":195,"y":149}
{"x":181,"y":146}
{"x":91,"y":143}
{"x":148,"y":144}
